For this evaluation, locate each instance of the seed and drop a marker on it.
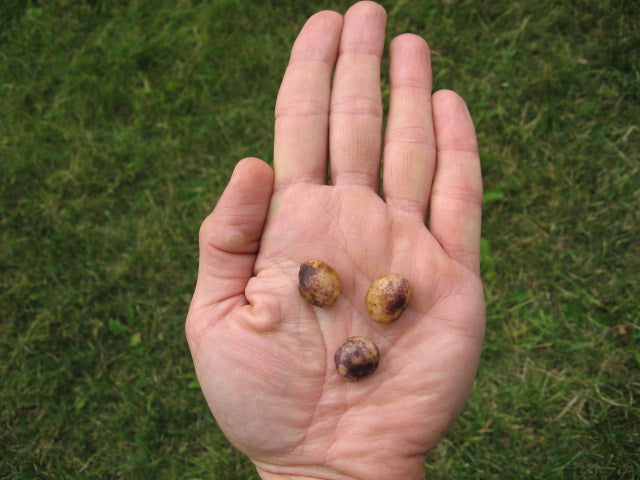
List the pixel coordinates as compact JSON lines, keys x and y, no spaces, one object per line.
{"x":319,"y":283}
{"x":356,"y":358}
{"x":387,"y":298}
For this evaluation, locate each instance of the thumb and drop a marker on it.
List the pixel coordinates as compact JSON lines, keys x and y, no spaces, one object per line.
{"x":229,"y":242}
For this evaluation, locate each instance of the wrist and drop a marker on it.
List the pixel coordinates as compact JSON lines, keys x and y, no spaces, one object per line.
{"x":407,"y":470}
{"x":273,"y":472}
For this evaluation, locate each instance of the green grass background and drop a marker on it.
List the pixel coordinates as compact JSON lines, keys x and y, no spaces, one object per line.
{"x":120,"y":122}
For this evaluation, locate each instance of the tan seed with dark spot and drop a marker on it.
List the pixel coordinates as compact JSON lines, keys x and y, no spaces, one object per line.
{"x":387,"y":298}
{"x":356,"y":358}
{"x":319,"y":283}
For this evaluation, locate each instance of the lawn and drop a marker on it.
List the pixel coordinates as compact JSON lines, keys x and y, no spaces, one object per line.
{"x":120,"y":123}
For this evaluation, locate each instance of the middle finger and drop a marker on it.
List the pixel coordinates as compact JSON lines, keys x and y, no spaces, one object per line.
{"x":355,"y":120}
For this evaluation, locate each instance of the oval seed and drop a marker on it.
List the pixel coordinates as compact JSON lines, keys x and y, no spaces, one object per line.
{"x":319,"y":283}
{"x":387,"y":298}
{"x":356,"y":358}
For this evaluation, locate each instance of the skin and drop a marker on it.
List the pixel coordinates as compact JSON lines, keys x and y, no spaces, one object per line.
{"x":263,"y":355}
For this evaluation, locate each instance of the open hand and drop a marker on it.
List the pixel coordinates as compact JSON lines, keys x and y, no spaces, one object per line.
{"x":263,"y":355}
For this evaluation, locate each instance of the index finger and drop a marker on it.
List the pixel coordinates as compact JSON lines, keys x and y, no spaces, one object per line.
{"x":302,"y":106}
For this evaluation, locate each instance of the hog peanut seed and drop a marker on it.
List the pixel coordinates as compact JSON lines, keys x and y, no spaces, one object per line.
{"x":356,"y":358}
{"x":387,"y":298}
{"x":319,"y":283}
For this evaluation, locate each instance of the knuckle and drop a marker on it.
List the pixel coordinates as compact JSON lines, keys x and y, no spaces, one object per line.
{"x":461,"y":194}
{"x":418,"y":134}
{"x":300,"y":107}
{"x":357,"y":105}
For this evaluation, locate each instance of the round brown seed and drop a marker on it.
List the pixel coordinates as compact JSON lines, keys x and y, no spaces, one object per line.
{"x":319,"y":283}
{"x":356,"y":358}
{"x":387,"y":298}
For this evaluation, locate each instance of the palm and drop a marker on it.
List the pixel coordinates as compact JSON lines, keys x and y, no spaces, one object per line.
{"x":281,"y":347}
{"x":264,"y":356}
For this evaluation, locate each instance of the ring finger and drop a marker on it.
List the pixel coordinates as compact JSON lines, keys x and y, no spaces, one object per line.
{"x":409,"y":152}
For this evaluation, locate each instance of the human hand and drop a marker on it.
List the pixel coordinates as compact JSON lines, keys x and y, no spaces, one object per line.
{"x":263,"y":356}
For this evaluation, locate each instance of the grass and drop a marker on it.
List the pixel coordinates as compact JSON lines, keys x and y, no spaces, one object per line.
{"x":120,"y":124}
